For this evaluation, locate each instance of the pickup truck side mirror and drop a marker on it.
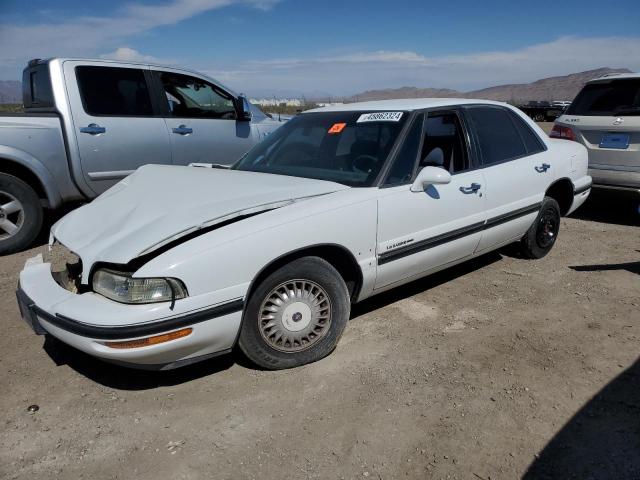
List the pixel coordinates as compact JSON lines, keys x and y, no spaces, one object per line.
{"x":430,"y":176}
{"x":243,"y":109}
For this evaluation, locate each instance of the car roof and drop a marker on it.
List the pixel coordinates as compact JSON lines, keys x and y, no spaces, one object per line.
{"x":406,"y":104}
{"x":615,"y":76}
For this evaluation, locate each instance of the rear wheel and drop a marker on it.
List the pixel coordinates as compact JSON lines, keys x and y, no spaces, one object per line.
{"x":296,"y":315}
{"x":542,"y":235}
{"x":20,"y":214}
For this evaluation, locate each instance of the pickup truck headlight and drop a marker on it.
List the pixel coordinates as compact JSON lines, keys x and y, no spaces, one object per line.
{"x":122,"y":287}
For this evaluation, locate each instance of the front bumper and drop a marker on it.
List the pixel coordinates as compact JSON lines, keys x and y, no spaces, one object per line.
{"x":88,"y":321}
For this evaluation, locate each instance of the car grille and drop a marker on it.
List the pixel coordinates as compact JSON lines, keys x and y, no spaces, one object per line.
{"x":66,"y":266}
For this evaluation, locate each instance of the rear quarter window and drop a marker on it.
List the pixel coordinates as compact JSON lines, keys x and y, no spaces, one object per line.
{"x":531,"y":140}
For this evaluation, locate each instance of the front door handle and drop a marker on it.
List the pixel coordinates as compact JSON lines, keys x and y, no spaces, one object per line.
{"x":473,"y":188}
{"x":542,"y":168}
{"x":93,"y":129}
{"x":183,"y":130}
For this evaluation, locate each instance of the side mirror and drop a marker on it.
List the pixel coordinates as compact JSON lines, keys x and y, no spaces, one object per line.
{"x":430,"y":176}
{"x":243,"y":109}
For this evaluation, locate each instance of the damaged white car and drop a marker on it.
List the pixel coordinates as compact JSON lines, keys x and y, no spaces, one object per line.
{"x":176,"y":264}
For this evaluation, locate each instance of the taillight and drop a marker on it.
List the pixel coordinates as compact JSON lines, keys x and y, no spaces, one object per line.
{"x":565,"y":133}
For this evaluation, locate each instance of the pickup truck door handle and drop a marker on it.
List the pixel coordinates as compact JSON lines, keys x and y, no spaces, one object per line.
{"x":473,"y":188}
{"x":183,"y":130}
{"x":93,"y":129}
{"x":542,"y":168}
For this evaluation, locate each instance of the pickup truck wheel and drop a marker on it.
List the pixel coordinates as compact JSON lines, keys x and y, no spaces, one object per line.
{"x":20,"y":214}
{"x":542,"y":235}
{"x":296,"y":315}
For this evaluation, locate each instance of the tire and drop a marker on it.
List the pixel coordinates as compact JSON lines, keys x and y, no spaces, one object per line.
{"x":542,"y":235}
{"x":18,"y":229}
{"x":304,"y":329}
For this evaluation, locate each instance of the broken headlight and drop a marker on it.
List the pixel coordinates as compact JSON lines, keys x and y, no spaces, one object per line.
{"x":122,"y":287}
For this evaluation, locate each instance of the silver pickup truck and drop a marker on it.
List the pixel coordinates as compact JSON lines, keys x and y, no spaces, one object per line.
{"x":89,"y":123}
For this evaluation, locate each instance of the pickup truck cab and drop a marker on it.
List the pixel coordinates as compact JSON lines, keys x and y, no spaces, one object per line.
{"x":89,"y":123}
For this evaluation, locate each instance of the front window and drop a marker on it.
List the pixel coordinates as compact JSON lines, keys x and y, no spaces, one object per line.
{"x":344,"y":147}
{"x":614,"y":98}
{"x":190,"y":97}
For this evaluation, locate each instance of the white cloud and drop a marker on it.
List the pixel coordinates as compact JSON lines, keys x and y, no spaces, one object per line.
{"x":128,"y":54}
{"x":91,"y":35}
{"x":354,"y":72}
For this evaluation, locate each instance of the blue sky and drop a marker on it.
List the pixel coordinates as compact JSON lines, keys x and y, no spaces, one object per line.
{"x":297,"y":47}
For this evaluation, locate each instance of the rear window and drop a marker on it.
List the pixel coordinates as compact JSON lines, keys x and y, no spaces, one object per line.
{"x":36,"y":87}
{"x":614,"y":98}
{"x":498,"y":138}
{"x":113,"y":91}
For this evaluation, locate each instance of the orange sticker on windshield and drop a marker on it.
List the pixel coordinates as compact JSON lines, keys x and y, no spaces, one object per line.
{"x":337,"y":128}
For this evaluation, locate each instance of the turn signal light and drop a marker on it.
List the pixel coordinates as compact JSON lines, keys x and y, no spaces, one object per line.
{"x":155,"y":340}
{"x":564,"y":133}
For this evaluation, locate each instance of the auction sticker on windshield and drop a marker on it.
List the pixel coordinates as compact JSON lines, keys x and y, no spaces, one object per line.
{"x":380,"y":117}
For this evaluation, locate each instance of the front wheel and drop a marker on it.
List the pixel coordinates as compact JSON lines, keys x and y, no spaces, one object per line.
{"x":296,"y":315}
{"x":20,"y":214}
{"x":542,"y":235}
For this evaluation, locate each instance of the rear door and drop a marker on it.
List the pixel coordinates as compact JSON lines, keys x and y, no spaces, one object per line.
{"x":517,"y":168}
{"x":115,"y":124}
{"x":201,"y":120}
{"x":421,"y":231}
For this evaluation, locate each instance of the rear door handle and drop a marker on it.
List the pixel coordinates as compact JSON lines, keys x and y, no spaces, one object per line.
{"x":183,"y":130}
{"x":542,"y":168}
{"x":473,"y":188}
{"x":93,"y":129}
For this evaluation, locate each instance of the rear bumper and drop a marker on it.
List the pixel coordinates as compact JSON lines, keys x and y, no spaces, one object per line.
{"x":615,"y":179}
{"x":42,"y":301}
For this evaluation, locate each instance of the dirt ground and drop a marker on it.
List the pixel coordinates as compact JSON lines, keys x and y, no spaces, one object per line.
{"x":497,"y":369}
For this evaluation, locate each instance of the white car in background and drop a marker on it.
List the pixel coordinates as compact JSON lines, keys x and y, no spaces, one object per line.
{"x":605,"y":118}
{"x":176,"y":264}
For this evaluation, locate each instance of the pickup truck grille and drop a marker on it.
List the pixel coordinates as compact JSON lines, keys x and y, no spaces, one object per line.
{"x":66,"y":266}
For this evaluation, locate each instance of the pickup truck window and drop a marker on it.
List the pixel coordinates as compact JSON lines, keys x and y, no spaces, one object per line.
{"x":36,"y":87}
{"x":190,"y":97}
{"x":108,"y":91}
{"x":498,"y":138}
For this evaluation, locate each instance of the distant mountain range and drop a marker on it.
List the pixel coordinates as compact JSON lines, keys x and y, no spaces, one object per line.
{"x":10,"y":91}
{"x":553,"y":88}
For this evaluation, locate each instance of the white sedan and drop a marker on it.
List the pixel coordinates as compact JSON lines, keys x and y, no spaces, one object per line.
{"x":177,"y":264}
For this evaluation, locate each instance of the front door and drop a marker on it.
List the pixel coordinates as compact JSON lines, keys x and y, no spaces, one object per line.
{"x":422,"y":231}
{"x":201,"y":120}
{"x":115,"y":126}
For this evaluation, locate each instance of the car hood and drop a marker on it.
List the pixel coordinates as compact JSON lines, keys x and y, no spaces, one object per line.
{"x":158,"y":204}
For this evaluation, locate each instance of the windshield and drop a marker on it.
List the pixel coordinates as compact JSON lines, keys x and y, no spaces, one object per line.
{"x":614,"y":98}
{"x":344,"y":147}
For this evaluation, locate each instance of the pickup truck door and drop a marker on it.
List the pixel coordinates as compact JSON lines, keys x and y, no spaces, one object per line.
{"x":421,"y":231}
{"x":517,"y":167}
{"x":201,"y":120}
{"x":116,"y":126}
